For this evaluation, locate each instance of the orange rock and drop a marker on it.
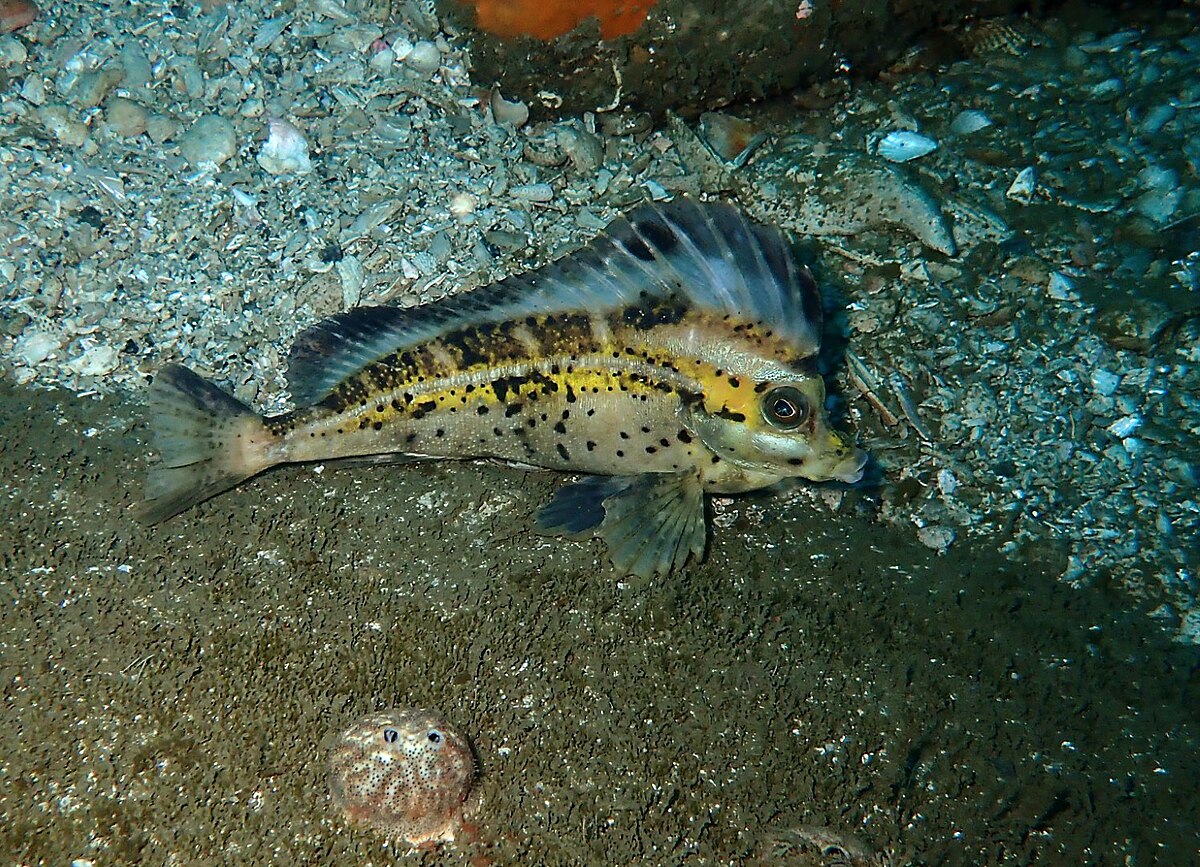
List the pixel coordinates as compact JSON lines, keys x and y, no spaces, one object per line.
{"x":15,"y":14}
{"x":546,"y":19}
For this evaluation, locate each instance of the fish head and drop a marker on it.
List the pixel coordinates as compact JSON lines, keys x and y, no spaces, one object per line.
{"x":777,"y":429}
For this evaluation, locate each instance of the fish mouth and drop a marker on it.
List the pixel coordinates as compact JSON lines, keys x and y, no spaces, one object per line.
{"x":850,"y":469}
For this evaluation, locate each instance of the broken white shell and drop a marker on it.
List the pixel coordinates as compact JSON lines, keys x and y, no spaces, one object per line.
{"x":1022,"y":187}
{"x":969,"y":121}
{"x":503,"y":111}
{"x":285,"y":151}
{"x":901,"y":146}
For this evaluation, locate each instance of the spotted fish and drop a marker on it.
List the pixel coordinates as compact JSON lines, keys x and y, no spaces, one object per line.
{"x":670,"y":358}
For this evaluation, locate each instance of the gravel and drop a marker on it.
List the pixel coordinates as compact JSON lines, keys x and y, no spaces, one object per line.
{"x":1021,"y":300}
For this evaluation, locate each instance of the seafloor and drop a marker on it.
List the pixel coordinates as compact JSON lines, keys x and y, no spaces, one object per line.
{"x":986,"y":654}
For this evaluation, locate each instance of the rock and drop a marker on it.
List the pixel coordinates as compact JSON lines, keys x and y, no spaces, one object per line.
{"x":12,"y":51}
{"x":730,"y":138}
{"x":35,"y":347}
{"x":93,"y":87}
{"x":285,"y":151}
{"x":96,"y":361}
{"x":936,"y":537}
{"x":684,"y":55}
{"x":210,"y":141}
{"x":161,"y":128}
{"x":424,"y":57}
{"x":125,"y":117}
{"x":15,"y":14}
{"x":61,"y":124}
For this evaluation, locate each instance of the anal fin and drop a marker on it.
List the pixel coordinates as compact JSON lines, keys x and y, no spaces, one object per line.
{"x":652,"y":523}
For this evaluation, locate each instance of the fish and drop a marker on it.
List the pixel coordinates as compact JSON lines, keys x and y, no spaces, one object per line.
{"x":671,"y":358}
{"x":406,"y":773}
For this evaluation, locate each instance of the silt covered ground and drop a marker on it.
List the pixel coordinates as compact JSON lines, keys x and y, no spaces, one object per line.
{"x":166,"y":691}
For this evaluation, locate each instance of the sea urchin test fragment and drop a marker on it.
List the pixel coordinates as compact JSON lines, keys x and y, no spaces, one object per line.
{"x":403,"y":772}
{"x":670,"y":358}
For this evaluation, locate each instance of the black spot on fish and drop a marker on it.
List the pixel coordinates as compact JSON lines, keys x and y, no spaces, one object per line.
{"x":726,"y":413}
{"x":591,"y":446}
{"x":683,"y":436}
{"x":396,"y":404}
{"x":559,"y":427}
{"x":620,"y":453}
{"x":411,"y":438}
{"x":512,"y":409}
{"x":646,"y":316}
{"x":637,"y":248}
{"x":497,"y":431}
{"x":651,"y":450}
{"x":440,"y":432}
{"x":504,"y":384}
{"x":664,"y":442}
{"x":562,"y":450}
{"x":482,"y":409}
{"x":735,"y":382}
{"x":470,"y":346}
{"x":378,"y":425}
{"x":658,"y":234}
{"x":570,"y":394}
{"x":424,"y":408}
{"x":624,"y":435}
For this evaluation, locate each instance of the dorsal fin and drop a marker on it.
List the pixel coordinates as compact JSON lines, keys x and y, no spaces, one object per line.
{"x":708,"y":254}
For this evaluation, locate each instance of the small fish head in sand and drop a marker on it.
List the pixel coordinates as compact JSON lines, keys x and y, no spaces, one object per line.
{"x":404,"y":773}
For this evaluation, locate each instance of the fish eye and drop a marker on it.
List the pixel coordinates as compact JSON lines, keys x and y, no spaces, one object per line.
{"x":391,"y":735}
{"x":785,"y":407}
{"x":435,"y":737}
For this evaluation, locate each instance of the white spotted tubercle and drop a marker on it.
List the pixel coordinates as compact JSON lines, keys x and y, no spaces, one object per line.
{"x":404,"y":773}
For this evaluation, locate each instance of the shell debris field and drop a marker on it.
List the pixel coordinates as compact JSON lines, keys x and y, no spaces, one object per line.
{"x":404,"y":773}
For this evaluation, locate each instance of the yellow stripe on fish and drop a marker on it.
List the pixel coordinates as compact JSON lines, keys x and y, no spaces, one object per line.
{"x":672,"y":356}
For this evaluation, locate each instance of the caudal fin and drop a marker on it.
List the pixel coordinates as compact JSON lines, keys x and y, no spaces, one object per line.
{"x":207,"y":442}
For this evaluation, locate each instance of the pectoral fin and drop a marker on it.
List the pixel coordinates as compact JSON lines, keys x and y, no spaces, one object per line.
{"x":652,"y":523}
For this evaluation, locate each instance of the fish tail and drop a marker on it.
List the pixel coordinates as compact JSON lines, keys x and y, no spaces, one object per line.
{"x":207,"y":442}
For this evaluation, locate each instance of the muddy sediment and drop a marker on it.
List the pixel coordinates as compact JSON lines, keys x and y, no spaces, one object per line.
{"x":167,"y":689}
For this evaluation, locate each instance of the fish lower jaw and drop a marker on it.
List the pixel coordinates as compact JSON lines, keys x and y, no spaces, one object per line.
{"x":737,"y":479}
{"x":849,"y":469}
